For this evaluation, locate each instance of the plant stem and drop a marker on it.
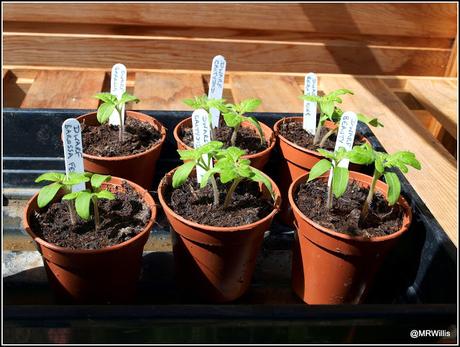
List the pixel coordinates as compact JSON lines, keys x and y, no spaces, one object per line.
{"x":317,"y":133}
{"x":329,"y":197}
{"x":121,"y":127}
{"x":73,"y":215}
{"x":228,"y":197}
{"x":215,"y":190}
{"x":325,"y":137}
{"x":235,"y":131}
{"x":370,"y":196}
{"x":97,"y":220}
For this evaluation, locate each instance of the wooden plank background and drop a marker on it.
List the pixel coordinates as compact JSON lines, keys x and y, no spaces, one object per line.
{"x":382,"y":39}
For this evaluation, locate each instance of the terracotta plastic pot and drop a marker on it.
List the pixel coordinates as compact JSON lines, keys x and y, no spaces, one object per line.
{"x":258,"y":160}
{"x":296,"y":161}
{"x":106,"y":275}
{"x":330,"y":267}
{"x":138,"y":168}
{"x":215,"y":263}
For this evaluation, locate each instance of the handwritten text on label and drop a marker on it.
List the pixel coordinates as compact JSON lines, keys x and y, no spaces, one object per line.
{"x":216,"y":85}
{"x":201,"y":135}
{"x":309,"y":107}
{"x":117,"y":87}
{"x":73,"y":149}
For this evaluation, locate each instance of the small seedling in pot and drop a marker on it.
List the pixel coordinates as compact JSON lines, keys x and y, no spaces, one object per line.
{"x":84,"y":198}
{"x":330,"y":111}
{"x":383,"y":163}
{"x":228,"y":165}
{"x":339,"y":174}
{"x":205,"y":103}
{"x":111,"y":103}
{"x":60,"y":181}
{"x":234,"y":115}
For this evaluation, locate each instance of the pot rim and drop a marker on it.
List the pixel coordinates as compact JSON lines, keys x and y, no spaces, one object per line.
{"x":356,"y":176}
{"x":247,"y":156}
{"x":292,"y":144}
{"x":115,"y":181}
{"x":161,"y":129}
{"x":165,"y":206}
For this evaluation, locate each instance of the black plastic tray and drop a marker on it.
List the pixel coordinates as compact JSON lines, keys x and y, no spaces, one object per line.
{"x":416,"y":288}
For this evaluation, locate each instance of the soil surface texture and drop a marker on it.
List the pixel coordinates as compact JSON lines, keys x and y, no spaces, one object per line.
{"x":247,"y":206}
{"x":294,"y":132}
{"x":344,"y":217}
{"x":247,"y":139}
{"x":102,"y":140}
{"x":121,"y":219}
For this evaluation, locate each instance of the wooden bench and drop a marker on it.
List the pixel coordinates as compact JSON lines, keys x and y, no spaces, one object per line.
{"x":59,"y":55}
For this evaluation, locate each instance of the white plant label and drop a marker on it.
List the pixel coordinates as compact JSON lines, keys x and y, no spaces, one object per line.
{"x":118,"y":87}
{"x":201,"y":135}
{"x":345,"y":137}
{"x":73,"y":149}
{"x":309,"y":107}
{"x":216,"y":86}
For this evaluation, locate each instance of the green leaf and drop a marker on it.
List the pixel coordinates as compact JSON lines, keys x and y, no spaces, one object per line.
{"x":380,"y":161}
{"x":259,"y":176}
{"x":249,"y":105}
{"x":188,"y":154}
{"x":181,"y":174}
{"x":326,"y":153}
{"x":82,"y":204}
{"x":337,"y":92}
{"x":327,"y":107}
{"x":105,"y":194}
{"x":209,"y":148}
{"x":319,"y":169}
{"x":207,"y":175}
{"x":244,"y":170}
{"x":364,"y":119}
{"x":232,"y":119}
{"x":234,"y":153}
{"x":362,"y":155}
{"x":256,"y":123}
{"x":74,"y":178}
{"x":70,"y":196}
{"x":339,"y":181}
{"x":394,"y":187}
{"x":104,"y":111}
{"x":311,"y":98}
{"x":228,"y":175}
{"x":97,"y":180}
{"x":125,"y":98}
{"x":47,"y":193}
{"x":50,"y":176}
{"x":106,"y":98}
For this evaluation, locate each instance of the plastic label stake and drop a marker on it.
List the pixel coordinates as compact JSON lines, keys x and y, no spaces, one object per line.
{"x":201,"y":136}
{"x":345,"y":138}
{"x":118,"y":87}
{"x":73,"y":150}
{"x":309,"y":107}
{"x":216,"y":86}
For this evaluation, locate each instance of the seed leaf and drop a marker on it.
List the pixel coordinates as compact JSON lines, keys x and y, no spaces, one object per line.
{"x":259,"y":176}
{"x":82,"y":204}
{"x":319,"y":169}
{"x":97,"y":180}
{"x":104,"y":111}
{"x":394,"y":187}
{"x":47,"y":193}
{"x":125,"y":98}
{"x":106,"y":98}
{"x":182,"y":172}
{"x":105,"y":194}
{"x":256,"y":123}
{"x":50,"y":176}
{"x":339,"y":181}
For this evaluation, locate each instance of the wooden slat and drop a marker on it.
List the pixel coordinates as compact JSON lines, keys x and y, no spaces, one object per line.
{"x":278,"y":93}
{"x":165,"y":91}
{"x":64,"y":89}
{"x":451,"y":69}
{"x":422,"y":20}
{"x":436,"y":183}
{"x":438,"y":97}
{"x":177,"y":53}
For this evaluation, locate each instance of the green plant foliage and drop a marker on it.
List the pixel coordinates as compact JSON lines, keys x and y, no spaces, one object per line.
{"x":60,"y":181}
{"x":110,"y":103}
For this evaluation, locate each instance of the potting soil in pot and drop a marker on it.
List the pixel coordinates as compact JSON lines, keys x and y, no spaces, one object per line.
{"x":382,"y":220}
{"x":121,"y":219}
{"x":102,"y":140}
{"x":294,"y":132}
{"x":194,"y":204}
{"x":247,"y":139}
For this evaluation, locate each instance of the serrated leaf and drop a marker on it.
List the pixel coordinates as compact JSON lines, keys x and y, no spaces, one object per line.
{"x":234,"y":153}
{"x":47,"y":193}
{"x":82,"y":204}
{"x":228,"y":175}
{"x":97,"y":180}
{"x":339,"y":181}
{"x":232,"y":119}
{"x":106,"y":98}
{"x":394,"y":187}
{"x":325,"y":153}
{"x":362,"y":155}
{"x":311,"y":98}
{"x":249,"y":105}
{"x":105,"y":194}
{"x":50,"y":176}
{"x":104,"y":111}
{"x":244,"y":170}
{"x":125,"y":98}
{"x":319,"y":169}
{"x":181,"y":174}
{"x":327,"y":108}
{"x":188,"y":154}
{"x":209,"y":148}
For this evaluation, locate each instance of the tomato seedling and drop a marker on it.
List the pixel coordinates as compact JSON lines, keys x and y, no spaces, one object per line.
{"x":205,"y":103}
{"x":110,"y":102}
